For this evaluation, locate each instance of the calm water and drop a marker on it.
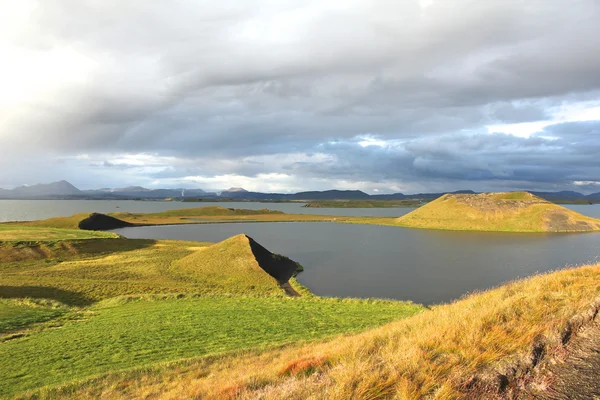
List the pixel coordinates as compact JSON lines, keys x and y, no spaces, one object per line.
{"x":29,"y":210}
{"x":361,"y":261}
{"x":387,"y":262}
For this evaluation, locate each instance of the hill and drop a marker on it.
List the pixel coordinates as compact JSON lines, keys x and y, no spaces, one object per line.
{"x":85,"y":271}
{"x":500,"y":344}
{"x":506,"y":212}
{"x":240,"y":262}
{"x":74,"y":307}
{"x":61,"y":188}
{"x":65,"y":190}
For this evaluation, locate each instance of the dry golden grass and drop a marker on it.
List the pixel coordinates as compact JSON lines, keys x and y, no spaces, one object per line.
{"x":430,"y":355}
{"x":503,"y":212}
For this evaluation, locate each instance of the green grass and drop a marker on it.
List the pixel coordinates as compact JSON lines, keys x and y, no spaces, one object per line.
{"x":228,"y":266}
{"x":137,"y":266}
{"x":19,"y":313}
{"x":513,"y":196}
{"x":90,"y":274}
{"x":15,"y":232}
{"x":76,"y":304}
{"x":126,"y":334}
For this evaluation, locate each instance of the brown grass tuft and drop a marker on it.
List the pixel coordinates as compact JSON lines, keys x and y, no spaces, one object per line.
{"x":305,"y":366}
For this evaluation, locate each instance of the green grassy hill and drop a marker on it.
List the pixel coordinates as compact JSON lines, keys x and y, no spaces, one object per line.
{"x":133,"y":332}
{"x":506,"y":212}
{"x":233,"y":264}
{"x":76,"y":304}
{"x":93,"y":315}
{"x":484,"y":346}
{"x":83,"y":274}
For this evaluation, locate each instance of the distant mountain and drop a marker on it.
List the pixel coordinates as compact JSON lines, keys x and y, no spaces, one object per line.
{"x":54,"y":189}
{"x":562,"y":195}
{"x":330,"y":195}
{"x":236,"y":192}
{"x":145,"y":193}
{"x":129,"y":189}
{"x":593,"y":196}
{"x":64,"y":190}
{"x":241,"y":194}
{"x":401,"y":196}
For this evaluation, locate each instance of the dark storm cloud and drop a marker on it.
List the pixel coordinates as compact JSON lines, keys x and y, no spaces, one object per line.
{"x":480,"y":158}
{"x":216,"y":86}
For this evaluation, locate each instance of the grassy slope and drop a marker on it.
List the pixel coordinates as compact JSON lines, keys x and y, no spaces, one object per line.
{"x":226,"y":266}
{"x":430,"y":355}
{"x":505,"y":212}
{"x":15,"y":233}
{"x":19,"y":313}
{"x":136,"y":333}
{"x":231,"y":304}
{"x":133,"y":267}
{"x":145,"y":266}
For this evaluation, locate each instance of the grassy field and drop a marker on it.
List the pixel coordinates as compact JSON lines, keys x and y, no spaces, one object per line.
{"x":431,"y":355}
{"x":125,"y":333}
{"x":114,"y":267}
{"x":75,"y":304}
{"x":501,"y":212}
{"x":16,"y":314}
{"x":103,"y":316}
{"x":15,"y":233}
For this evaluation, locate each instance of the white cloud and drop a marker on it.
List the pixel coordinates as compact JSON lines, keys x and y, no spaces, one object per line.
{"x":238,"y":91}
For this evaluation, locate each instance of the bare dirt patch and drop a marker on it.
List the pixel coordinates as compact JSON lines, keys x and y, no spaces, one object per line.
{"x":490,"y":202}
{"x":559,"y":221}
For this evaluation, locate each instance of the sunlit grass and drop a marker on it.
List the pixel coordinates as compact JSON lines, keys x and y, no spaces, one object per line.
{"x":430,"y":355}
{"x":501,"y":212}
{"x":19,"y":313}
{"x":124,"y":334}
{"x":13,"y":232}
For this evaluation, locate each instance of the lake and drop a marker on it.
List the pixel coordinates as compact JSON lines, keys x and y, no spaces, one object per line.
{"x":30,"y":210}
{"x":424,"y":266}
{"x":360,"y":260}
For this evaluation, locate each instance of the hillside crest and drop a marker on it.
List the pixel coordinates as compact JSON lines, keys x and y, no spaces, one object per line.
{"x":241,"y":261}
{"x":504,"y":212}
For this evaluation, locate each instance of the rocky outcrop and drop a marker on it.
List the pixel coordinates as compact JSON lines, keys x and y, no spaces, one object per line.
{"x":563,"y":368}
{"x":102,"y":222}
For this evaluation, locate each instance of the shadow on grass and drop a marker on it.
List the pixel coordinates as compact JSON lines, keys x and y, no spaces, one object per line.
{"x":18,"y":251}
{"x":44,"y":292}
{"x":96,"y":246}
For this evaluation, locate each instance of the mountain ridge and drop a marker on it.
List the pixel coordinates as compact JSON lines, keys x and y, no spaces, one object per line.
{"x":65,"y":190}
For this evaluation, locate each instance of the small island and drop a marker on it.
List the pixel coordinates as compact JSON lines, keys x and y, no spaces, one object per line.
{"x":498,"y":212}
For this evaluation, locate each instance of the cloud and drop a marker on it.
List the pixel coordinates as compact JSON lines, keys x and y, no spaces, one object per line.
{"x":250,"y":89}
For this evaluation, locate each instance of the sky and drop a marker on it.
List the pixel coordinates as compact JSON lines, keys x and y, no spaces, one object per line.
{"x":288,"y":95}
